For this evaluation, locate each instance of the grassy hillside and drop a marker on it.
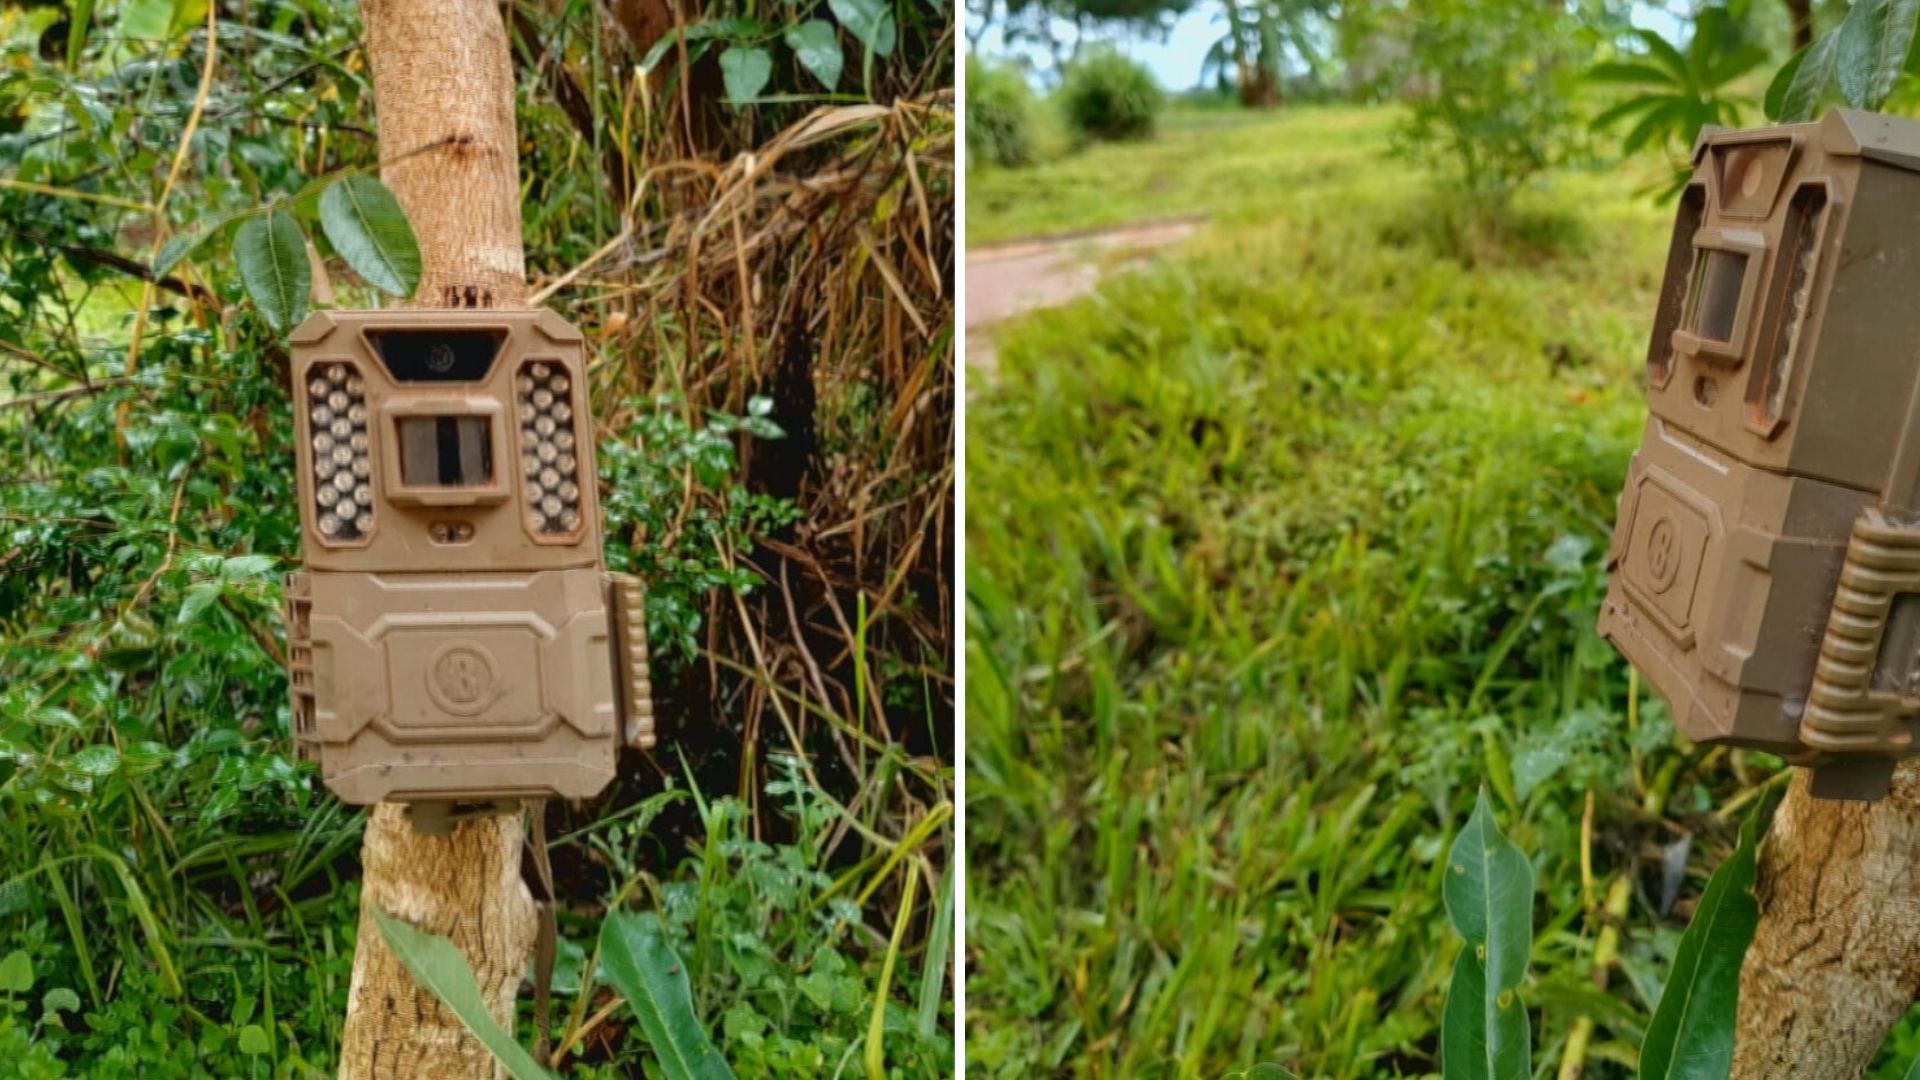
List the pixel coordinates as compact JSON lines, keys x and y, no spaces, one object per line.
{"x":1279,"y":552}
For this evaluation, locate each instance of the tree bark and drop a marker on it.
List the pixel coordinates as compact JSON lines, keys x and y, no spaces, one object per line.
{"x":443,"y":93}
{"x":1835,"y":961}
{"x":1800,"y":22}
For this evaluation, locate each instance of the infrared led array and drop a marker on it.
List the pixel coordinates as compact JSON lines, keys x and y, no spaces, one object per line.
{"x":342,"y":467}
{"x":552,"y":488}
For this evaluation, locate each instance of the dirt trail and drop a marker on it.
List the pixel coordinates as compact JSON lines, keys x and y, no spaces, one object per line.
{"x":1008,"y":279}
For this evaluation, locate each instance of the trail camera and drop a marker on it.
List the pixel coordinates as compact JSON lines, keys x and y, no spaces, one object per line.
{"x":454,"y":637}
{"x":1766,"y":559}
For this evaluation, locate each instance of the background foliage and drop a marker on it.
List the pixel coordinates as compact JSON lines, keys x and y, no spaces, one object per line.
{"x":177,"y":897}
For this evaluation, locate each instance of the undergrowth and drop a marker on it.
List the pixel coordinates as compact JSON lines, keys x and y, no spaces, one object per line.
{"x":178,"y":896}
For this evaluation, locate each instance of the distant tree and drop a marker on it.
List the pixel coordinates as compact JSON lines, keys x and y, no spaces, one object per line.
{"x":1260,"y":35}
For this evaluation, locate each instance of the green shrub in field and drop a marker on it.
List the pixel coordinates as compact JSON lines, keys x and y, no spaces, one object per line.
{"x":1491,"y":84}
{"x":1108,"y":98}
{"x":999,"y":116}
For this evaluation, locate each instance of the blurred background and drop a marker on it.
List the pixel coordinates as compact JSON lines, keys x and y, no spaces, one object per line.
{"x":1303,"y":369}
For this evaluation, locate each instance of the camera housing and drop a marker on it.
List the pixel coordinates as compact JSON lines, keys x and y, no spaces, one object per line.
{"x":1765,"y":563}
{"x":454,"y":636}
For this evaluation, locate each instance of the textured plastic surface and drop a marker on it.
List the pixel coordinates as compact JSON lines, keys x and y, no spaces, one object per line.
{"x":1783,"y":449}
{"x":454,"y":637}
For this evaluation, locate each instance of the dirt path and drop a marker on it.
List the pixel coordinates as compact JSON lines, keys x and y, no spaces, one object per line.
{"x":1008,"y":279}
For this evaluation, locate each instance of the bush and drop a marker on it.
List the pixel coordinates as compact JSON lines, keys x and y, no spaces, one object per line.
{"x":1108,"y":97}
{"x":999,"y":115}
{"x":1492,"y":84}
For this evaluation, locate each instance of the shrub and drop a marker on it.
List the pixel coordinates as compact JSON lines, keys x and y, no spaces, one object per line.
{"x":1491,"y":82}
{"x":1108,"y":97}
{"x":999,"y":115}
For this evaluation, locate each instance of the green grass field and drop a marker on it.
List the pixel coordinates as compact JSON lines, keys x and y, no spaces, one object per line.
{"x":1277,"y":552}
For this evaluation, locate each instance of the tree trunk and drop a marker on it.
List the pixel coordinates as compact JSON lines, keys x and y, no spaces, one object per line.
{"x":1836,"y":959}
{"x":1800,"y":22}
{"x":443,"y":93}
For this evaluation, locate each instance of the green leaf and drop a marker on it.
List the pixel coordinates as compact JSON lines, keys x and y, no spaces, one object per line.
{"x":636,"y":957}
{"x":1854,"y":50}
{"x":1617,"y":71}
{"x":1479,"y":1041}
{"x":253,"y":1040}
{"x":60,"y":999}
{"x":731,"y":29}
{"x":195,"y":601}
{"x":1874,"y":40}
{"x":99,"y":760}
{"x":16,"y":972}
{"x":933,"y":973}
{"x":177,"y":248}
{"x":869,"y":20}
{"x":146,"y":20}
{"x":1913,"y":1071}
{"x":1488,"y":893}
{"x":745,"y":71}
{"x":77,"y":31}
{"x":366,"y":226}
{"x":1691,"y":1034}
{"x":1810,"y":81}
{"x":1776,"y":93}
{"x":436,"y":964}
{"x":818,"y":49}
{"x":272,"y":258}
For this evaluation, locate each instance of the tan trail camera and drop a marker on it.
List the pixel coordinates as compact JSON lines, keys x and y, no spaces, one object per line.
{"x":454,"y":637}
{"x":1766,"y":559}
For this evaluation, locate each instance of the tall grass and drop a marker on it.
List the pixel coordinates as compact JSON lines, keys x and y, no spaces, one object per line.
{"x":1278,"y":551}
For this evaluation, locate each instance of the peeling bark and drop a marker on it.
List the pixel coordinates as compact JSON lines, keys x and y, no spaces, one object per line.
{"x":1835,"y":961}
{"x":443,"y":91}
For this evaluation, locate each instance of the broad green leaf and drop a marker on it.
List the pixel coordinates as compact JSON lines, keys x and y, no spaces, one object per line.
{"x":1488,"y":893}
{"x":1874,"y":40}
{"x":1913,"y":1071}
{"x":818,"y":48}
{"x":1810,"y":81}
{"x":195,"y":601}
{"x":100,"y":760}
{"x":178,"y":247}
{"x":869,"y":20}
{"x":16,"y":972}
{"x":160,"y":20}
{"x":636,"y":957}
{"x":271,"y":255}
{"x":436,"y":964}
{"x":1691,"y":1034}
{"x":60,"y":999}
{"x":1479,"y":1038}
{"x":1776,"y":95}
{"x":253,"y":1040}
{"x":1853,"y":51}
{"x":146,"y":20}
{"x":366,"y":226}
{"x":745,"y":71}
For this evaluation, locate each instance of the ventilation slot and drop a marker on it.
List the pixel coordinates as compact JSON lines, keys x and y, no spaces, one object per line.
{"x":1673,"y":286}
{"x":299,"y":613}
{"x":549,"y":463}
{"x":1788,"y":300}
{"x":342,"y":464}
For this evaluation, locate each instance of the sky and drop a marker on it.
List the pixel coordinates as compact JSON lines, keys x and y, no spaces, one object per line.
{"x":1175,"y":61}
